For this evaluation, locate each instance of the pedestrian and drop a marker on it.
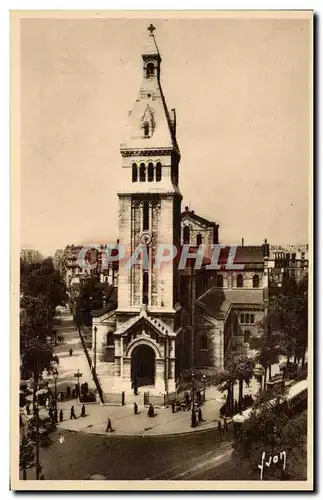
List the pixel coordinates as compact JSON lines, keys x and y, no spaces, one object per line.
{"x":219,"y":426}
{"x":236,"y":407}
{"x":72,"y":413}
{"x":173,"y":407}
{"x":109,"y":426}
{"x":225,"y":425}
{"x":71,"y":351}
{"x":68,"y":392}
{"x":193,"y":419}
{"x":151,"y":411}
{"x":61,"y":416}
{"x":83,"y":411}
{"x":55,"y":416}
{"x":135,"y":408}
{"x":200,"y":416}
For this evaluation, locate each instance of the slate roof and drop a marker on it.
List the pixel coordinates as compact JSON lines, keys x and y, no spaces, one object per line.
{"x":156,"y":323}
{"x":191,"y":214}
{"x":217,"y":302}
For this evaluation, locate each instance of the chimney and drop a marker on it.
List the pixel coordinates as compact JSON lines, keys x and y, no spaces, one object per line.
{"x":173,"y":120}
{"x":242,"y":242}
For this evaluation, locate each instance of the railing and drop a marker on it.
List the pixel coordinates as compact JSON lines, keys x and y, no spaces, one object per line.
{"x":114,"y":399}
{"x":94,"y":375}
{"x":159,"y":399}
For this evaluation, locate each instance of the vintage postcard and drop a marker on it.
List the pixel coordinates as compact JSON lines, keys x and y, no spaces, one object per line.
{"x":162,"y":169}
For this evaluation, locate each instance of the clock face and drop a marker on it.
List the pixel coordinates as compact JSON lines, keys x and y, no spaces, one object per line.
{"x":145,"y":238}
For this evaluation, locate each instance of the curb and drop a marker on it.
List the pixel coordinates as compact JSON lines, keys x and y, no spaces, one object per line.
{"x":140,"y":436}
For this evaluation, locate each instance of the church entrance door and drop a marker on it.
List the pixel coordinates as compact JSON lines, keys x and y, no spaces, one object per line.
{"x":143,"y":365}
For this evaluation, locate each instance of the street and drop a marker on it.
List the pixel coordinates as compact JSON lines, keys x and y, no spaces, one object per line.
{"x":74,"y":455}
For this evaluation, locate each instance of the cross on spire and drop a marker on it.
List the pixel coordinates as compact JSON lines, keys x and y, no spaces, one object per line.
{"x":151,"y":28}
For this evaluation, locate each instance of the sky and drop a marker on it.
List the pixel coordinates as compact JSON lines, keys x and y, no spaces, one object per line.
{"x":241,"y":89}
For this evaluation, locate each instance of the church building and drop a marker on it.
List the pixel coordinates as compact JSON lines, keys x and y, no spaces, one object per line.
{"x":158,"y":320}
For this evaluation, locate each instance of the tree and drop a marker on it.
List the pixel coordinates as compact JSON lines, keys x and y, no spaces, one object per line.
{"x":270,"y":430}
{"x":284,"y":329}
{"x":238,"y":369}
{"x":26,"y":454}
{"x":59,"y":262}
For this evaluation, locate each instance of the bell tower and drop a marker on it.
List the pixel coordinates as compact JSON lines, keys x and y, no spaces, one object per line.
{"x":150,"y":201}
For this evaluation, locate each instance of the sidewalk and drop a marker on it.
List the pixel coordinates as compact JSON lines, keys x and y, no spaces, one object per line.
{"x":68,"y":365}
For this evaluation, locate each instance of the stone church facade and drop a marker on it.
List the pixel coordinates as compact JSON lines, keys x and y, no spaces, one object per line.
{"x":159,"y":321}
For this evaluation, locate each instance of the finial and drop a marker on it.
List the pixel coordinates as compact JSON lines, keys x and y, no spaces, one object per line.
{"x":151,"y":28}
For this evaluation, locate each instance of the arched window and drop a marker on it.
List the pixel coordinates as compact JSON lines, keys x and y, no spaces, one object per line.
{"x":247,"y":318}
{"x":242,"y":318}
{"x":240,"y":281}
{"x":255,"y":281}
{"x":142,"y":173}
{"x":158,"y":172}
{"x":186,"y":234}
{"x":146,"y":129}
{"x":145,"y":287}
{"x":110,"y":341}
{"x":145,"y":218}
{"x":134,"y":173}
{"x":246,"y":335}
{"x":199,"y":239}
{"x":252,"y":318}
{"x":219,"y":281}
{"x":204,"y":341}
{"x":150,"y":172}
{"x":150,"y":70}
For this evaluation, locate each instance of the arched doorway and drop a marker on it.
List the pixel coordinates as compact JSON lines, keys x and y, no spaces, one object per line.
{"x":143,"y":365}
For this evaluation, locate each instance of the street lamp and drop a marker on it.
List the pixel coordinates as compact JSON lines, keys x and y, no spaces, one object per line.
{"x":78,"y":375}
{"x":193,"y":384}
{"x":55,"y":375}
{"x":94,"y":350}
{"x":258,"y":373}
{"x":204,"y":383}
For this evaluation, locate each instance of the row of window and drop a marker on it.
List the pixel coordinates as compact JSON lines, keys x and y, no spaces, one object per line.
{"x":255,"y":281}
{"x":247,"y":318}
{"x":143,"y":173}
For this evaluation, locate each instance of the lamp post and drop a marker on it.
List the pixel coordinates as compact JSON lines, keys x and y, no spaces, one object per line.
{"x":55,"y":375}
{"x":204,"y":383}
{"x":94,"y":349}
{"x":258,"y":373}
{"x":193,"y":384}
{"x":78,"y":375}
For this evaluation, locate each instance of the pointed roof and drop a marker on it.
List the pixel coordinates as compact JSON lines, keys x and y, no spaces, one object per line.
{"x":156,"y":323}
{"x":150,"y":47}
{"x":151,"y":97}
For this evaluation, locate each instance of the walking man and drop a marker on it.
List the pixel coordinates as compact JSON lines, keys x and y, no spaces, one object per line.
{"x":220,"y":427}
{"x":83,"y":411}
{"x":173,"y":407}
{"x":135,"y":408}
{"x":72,"y":413}
{"x":61,"y":416}
{"x":109,"y":426}
{"x":71,"y":351}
